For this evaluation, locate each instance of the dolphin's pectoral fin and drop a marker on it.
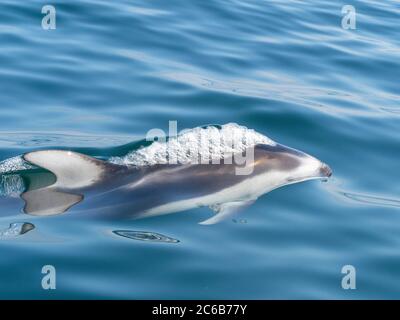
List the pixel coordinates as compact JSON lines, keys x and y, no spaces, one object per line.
{"x":73,"y":170}
{"x":227,"y":210}
{"x":49,"y":201}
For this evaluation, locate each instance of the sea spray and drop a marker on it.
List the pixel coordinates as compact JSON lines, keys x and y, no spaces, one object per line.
{"x":196,"y":146}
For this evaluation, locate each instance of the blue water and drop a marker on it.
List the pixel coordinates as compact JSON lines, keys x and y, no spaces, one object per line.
{"x":112,"y":70}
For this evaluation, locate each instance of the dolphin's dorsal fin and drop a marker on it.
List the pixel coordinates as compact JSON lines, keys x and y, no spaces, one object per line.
{"x":73,"y":170}
{"x":227,"y":210}
{"x":48,"y":201}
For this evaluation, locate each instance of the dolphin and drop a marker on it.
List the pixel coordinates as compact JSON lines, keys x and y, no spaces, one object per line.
{"x":88,"y":186}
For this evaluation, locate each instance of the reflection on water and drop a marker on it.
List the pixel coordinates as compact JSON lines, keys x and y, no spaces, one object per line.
{"x":391,"y":110}
{"x":288,"y":91}
{"x":16,"y":229}
{"x":11,"y":185}
{"x":34,"y":139}
{"x":145,"y":236}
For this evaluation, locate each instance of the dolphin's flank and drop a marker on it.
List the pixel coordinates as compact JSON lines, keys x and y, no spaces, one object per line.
{"x":87,"y":186}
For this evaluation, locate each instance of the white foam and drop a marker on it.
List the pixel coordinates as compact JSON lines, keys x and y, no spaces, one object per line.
{"x":196,"y":145}
{"x":14,"y":164}
{"x":11,"y":185}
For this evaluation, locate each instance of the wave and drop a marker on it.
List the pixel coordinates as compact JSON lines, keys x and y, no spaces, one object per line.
{"x":203,"y":143}
{"x":14,"y":164}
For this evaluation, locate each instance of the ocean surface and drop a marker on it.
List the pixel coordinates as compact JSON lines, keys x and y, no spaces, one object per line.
{"x":113,"y":70}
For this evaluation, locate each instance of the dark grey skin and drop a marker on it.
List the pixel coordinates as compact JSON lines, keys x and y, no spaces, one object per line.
{"x":132,"y":192}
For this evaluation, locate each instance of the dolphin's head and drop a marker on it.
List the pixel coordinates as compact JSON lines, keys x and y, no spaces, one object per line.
{"x":282,"y":165}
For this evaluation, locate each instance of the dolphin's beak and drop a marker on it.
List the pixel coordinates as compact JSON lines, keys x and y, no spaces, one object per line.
{"x":299,"y":165}
{"x":325,"y":170}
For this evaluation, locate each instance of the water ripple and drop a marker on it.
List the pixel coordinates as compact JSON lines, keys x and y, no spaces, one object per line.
{"x":145,"y":236}
{"x":371,"y":199}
